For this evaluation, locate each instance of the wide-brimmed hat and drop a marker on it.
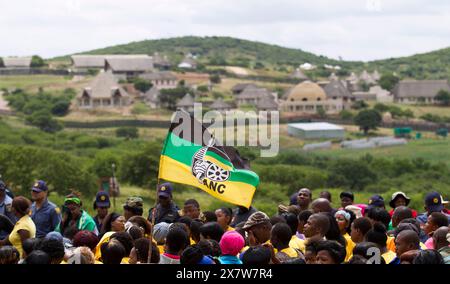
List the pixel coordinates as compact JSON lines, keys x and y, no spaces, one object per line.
{"x":397,"y":194}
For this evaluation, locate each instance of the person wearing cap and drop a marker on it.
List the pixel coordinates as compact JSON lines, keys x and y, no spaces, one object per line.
{"x":101,"y":204}
{"x":5,"y":210}
{"x":375,"y":201}
{"x":258,"y":229}
{"x":400,"y":199}
{"x":433,"y":203}
{"x":445,"y":203}
{"x":134,"y":206}
{"x":165,"y":210}
{"x":45,"y":215}
{"x":76,"y":218}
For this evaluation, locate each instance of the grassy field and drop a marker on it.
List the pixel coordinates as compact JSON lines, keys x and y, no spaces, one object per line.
{"x":31,"y":81}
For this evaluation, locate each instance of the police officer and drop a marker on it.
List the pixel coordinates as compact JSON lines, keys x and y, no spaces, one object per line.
{"x":166,"y":210}
{"x":45,"y":215}
{"x":101,"y":205}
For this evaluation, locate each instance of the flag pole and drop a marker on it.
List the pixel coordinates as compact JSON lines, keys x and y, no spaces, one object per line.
{"x":153,"y":212}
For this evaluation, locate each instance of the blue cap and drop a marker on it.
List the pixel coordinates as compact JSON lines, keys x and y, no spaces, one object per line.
{"x":39,"y":186}
{"x":433,"y":202}
{"x":165,"y":189}
{"x":54,"y":236}
{"x":376,"y":201}
{"x":102,"y":199}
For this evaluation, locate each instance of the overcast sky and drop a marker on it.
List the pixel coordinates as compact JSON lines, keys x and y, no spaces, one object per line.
{"x":353,"y":29}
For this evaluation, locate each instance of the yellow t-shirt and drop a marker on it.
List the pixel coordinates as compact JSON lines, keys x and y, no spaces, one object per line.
{"x":388,"y":256}
{"x":297,"y":243}
{"x":290,"y":252}
{"x":161,"y":249}
{"x":125,"y":260}
{"x":24,"y":223}
{"x":229,"y":229}
{"x":104,"y":239}
{"x":192,"y":242}
{"x":350,"y":245}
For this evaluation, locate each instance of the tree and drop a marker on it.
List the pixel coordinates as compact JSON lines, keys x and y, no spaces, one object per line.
{"x":215,"y":79}
{"x":321,"y":112}
{"x":44,"y":121}
{"x":388,"y":81}
{"x":61,"y":108}
{"x":142,"y":85}
{"x":2,"y":64}
{"x":381,"y":107}
{"x":354,"y":174}
{"x":359,"y":105}
{"x":346,"y":115}
{"x":368,"y":119}
{"x":37,"y":61}
{"x":443,"y":97}
{"x":127,"y":132}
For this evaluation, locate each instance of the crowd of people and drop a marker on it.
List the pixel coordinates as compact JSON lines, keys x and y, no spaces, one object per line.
{"x":307,"y":231}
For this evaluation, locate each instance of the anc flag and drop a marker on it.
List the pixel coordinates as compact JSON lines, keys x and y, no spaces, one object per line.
{"x":218,"y":170}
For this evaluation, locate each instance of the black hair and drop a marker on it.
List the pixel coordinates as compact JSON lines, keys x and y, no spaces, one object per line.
{"x":379,"y":215}
{"x":326,"y":195}
{"x":192,"y":202}
{"x":195,"y":229}
{"x":227,"y":211}
{"x":9,"y":255}
{"x":311,"y":245}
{"x":334,"y":233}
{"x":439,"y":219}
{"x":113,"y":252}
{"x":334,"y":249}
{"x":30,"y":244}
{"x":54,"y":249}
{"x":191,"y":255}
{"x":37,"y":257}
{"x":177,"y":240}
{"x":125,"y":239}
{"x":185,"y":220}
{"x":377,"y":235}
{"x":429,"y":256}
{"x":69,"y":232}
{"x":304,"y":215}
{"x":277,"y":219}
{"x":291,"y":221}
{"x":135,"y":210}
{"x":402,"y":212}
{"x":141,"y":247}
{"x":412,"y":221}
{"x":347,"y":194}
{"x":352,"y":218}
{"x":141,"y":222}
{"x":179,"y":225}
{"x":296,"y":260}
{"x":362,"y":249}
{"x":107,"y":222}
{"x":135,"y":232}
{"x":210,"y":216}
{"x":362,"y":224}
{"x":210,"y":248}
{"x":212,"y":230}
{"x":357,"y":259}
{"x":283,"y":233}
{"x":256,"y":256}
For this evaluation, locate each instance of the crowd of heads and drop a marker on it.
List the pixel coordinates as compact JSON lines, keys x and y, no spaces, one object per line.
{"x":307,"y":231}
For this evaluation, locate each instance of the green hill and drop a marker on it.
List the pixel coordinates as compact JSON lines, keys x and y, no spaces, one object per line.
{"x":239,"y":52}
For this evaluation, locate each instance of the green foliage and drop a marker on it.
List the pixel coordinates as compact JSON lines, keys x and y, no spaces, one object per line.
{"x":435,"y":118}
{"x":388,"y":81}
{"x":169,"y":97}
{"x":359,"y":105}
{"x":2,"y":64}
{"x":37,"y":61}
{"x":346,"y":115}
{"x":44,"y":121}
{"x":203,"y":88}
{"x":368,"y":119}
{"x":139,"y":108}
{"x":142,"y":85}
{"x":352,"y":174}
{"x":321,"y":112}
{"x":381,"y":108}
{"x":141,"y":168}
{"x":443,"y":97}
{"x":215,"y":79}
{"x":127,"y":132}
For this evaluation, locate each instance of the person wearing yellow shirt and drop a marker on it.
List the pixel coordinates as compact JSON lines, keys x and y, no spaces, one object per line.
{"x":224,"y":217}
{"x":295,"y":242}
{"x":344,"y":218}
{"x":280,"y":237}
{"x":257,"y":229}
{"x":112,"y":223}
{"x":24,"y":228}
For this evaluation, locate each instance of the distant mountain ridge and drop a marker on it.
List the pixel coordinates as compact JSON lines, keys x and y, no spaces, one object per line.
{"x":233,"y":51}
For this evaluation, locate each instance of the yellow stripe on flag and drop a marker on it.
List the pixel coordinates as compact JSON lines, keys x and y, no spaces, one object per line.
{"x":238,"y":193}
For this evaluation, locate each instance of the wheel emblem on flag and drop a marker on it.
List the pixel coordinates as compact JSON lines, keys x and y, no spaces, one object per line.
{"x":202,"y":168}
